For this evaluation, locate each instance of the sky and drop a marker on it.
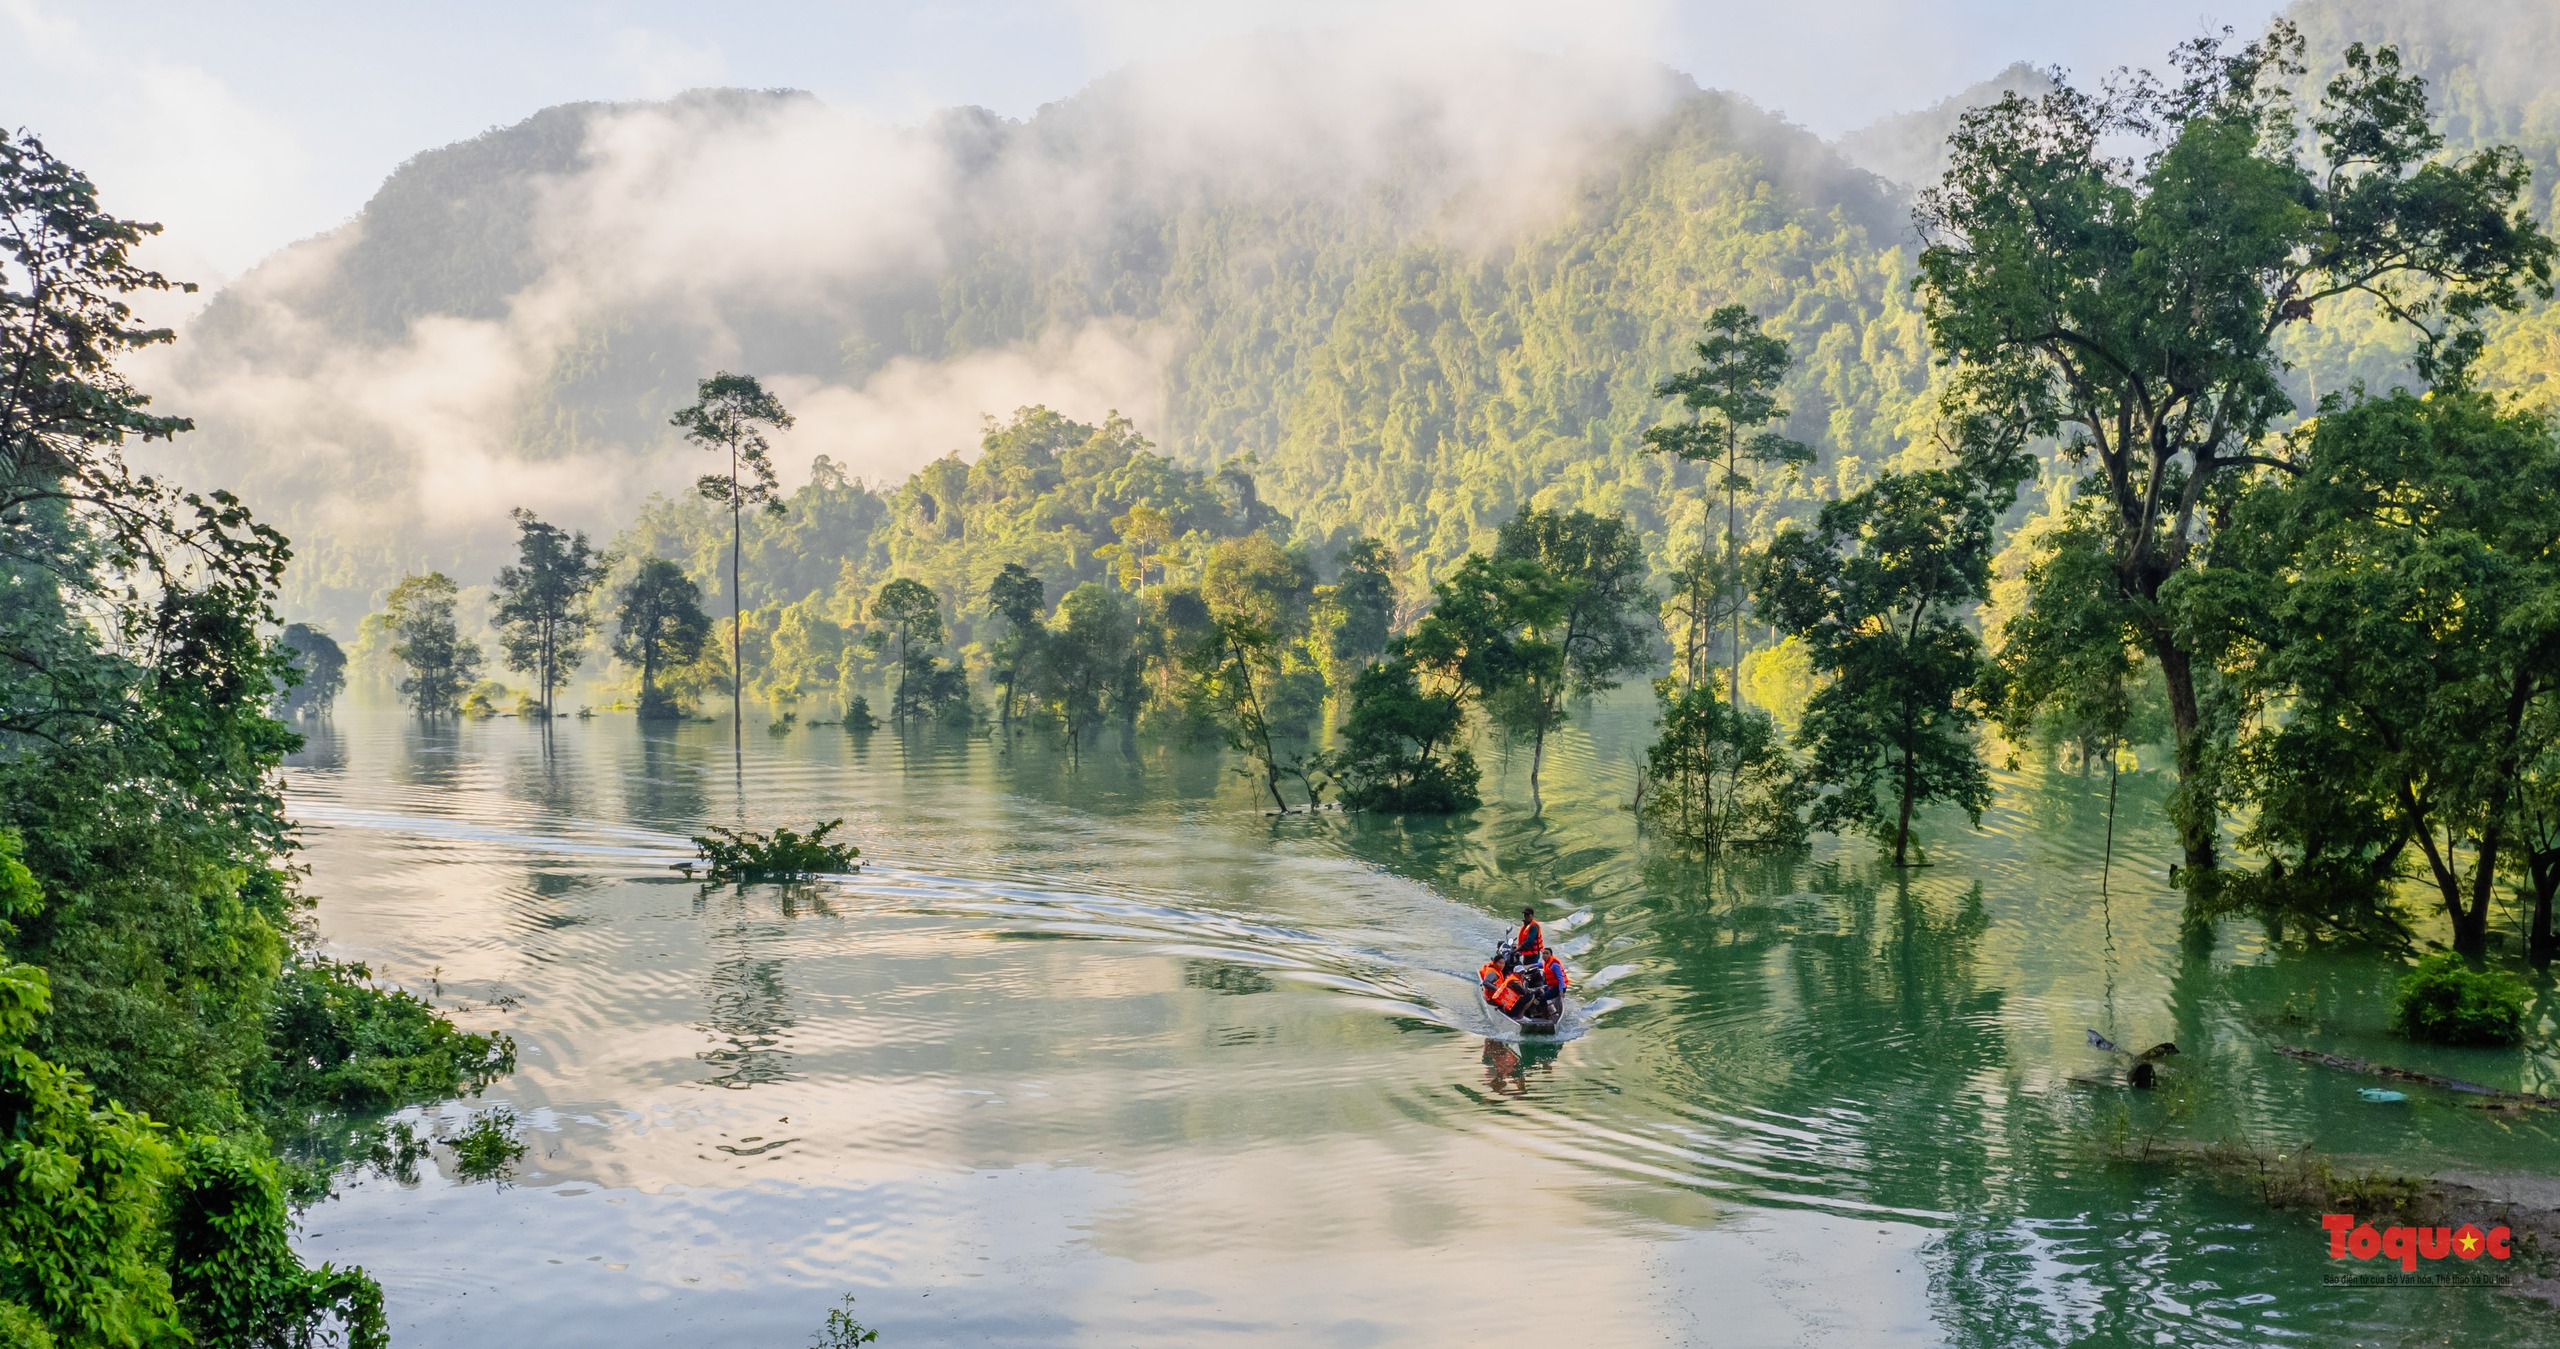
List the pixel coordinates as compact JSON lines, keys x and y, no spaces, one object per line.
{"x":246,"y":126}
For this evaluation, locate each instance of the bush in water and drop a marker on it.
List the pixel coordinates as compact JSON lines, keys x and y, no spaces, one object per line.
{"x":488,"y":1145}
{"x":783,"y":855}
{"x":2448,"y":1002}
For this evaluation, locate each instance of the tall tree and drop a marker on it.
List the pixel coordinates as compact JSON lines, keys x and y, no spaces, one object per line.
{"x":2399,"y":596}
{"x":321,"y":667}
{"x":442,"y":663}
{"x":1089,"y":662}
{"x":730,"y":415}
{"x":1731,"y":394}
{"x":659,"y":622}
{"x":907,"y":611}
{"x":1019,"y":598}
{"x":2134,"y":306}
{"x":1237,"y":668}
{"x":1584,"y":616}
{"x":1361,"y":607}
{"x":1877,"y":590}
{"x":541,"y":604}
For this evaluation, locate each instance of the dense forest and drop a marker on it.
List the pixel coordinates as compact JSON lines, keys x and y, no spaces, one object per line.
{"x":2240,"y":447}
{"x":166,"y":1025}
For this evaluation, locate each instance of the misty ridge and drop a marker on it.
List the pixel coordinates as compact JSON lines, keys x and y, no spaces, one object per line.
{"x":1410,"y":286}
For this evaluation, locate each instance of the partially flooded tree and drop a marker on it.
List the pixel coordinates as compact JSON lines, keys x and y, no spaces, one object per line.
{"x":906,"y":611}
{"x":2118,"y":269}
{"x":1877,"y":590}
{"x":541,"y":604}
{"x":659,"y":623}
{"x":730,"y":415}
{"x":1732,"y":395}
{"x":443,"y":664}
{"x":1017,"y":597}
{"x":321,"y":667}
{"x":1580,"y":613}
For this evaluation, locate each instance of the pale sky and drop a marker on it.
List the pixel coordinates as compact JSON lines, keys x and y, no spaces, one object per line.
{"x":246,"y":126}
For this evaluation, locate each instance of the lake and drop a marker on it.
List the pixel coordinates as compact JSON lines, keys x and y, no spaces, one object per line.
{"x":1099,"y":1053}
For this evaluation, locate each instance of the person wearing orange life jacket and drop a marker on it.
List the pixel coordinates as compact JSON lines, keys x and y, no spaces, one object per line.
{"x":1531,"y":941}
{"x":1552,"y":982}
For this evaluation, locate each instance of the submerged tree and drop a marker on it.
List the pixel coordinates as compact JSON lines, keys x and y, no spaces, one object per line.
{"x":321,"y":667}
{"x":2399,"y":595}
{"x":1089,"y":662}
{"x":1359,"y":609}
{"x":1719,"y":776}
{"x":730,"y":414}
{"x":1578,"y":614}
{"x":1736,"y":380}
{"x":541,"y":603}
{"x":1400,"y":752}
{"x":2135,"y":306}
{"x":659,"y":623}
{"x":907,"y":611}
{"x":1876,"y":589}
{"x":1017,"y":597}
{"x":443,"y":664}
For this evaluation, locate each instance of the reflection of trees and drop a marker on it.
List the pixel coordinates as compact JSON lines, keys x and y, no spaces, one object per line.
{"x":668,"y":792}
{"x":750,"y":1011}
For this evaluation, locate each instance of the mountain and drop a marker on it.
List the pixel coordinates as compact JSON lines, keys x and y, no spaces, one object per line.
{"x":1910,"y":148}
{"x":1406,"y":290}
{"x":1409,"y":302}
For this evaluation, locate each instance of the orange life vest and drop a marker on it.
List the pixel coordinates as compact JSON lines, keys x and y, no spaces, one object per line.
{"x":1532,"y":942}
{"x":1505,"y":995}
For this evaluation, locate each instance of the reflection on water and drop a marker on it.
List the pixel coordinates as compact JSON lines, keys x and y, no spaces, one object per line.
{"x":1098,"y":1053}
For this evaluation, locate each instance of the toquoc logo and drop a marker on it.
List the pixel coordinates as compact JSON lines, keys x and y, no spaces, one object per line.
{"x":2349,"y":1239}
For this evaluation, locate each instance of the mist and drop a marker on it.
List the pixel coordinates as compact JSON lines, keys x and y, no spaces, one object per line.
{"x":387,"y":391}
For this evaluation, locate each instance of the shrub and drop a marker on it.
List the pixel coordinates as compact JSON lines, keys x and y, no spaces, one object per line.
{"x":783,"y":855}
{"x":2448,"y":1002}
{"x":487,"y":1146}
{"x":341,"y":1043}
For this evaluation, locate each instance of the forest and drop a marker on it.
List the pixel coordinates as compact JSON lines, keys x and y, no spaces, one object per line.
{"x":2233,"y":445}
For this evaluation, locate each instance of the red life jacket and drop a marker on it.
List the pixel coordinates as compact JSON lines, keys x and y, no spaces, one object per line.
{"x":1532,"y":942}
{"x":1553,"y":970}
{"x":1506,"y":995}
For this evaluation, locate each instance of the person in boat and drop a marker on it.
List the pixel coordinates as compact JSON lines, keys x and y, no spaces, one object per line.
{"x":1529,"y":944}
{"x":1552,"y":982}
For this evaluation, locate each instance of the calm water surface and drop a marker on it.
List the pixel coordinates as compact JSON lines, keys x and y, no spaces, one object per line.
{"x":1098,"y":1054}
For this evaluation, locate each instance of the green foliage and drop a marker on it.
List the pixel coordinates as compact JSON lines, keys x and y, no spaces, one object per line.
{"x":783,"y":855}
{"x":1400,"y":751}
{"x":541,"y":603}
{"x":730,"y":415}
{"x":80,"y":1195}
{"x":1718,"y":777}
{"x":2051,"y":262}
{"x":340,"y":1043}
{"x":1876,"y":591}
{"x":1089,"y":669}
{"x":857,"y":716}
{"x":443,"y":664}
{"x":842,"y":1331}
{"x":2447,"y":1001}
{"x":231,"y":1262}
{"x":1356,"y":614}
{"x":2398,"y":597}
{"x":487,"y":1146}
{"x":320,"y":667}
{"x":658,"y":622}
{"x":1582,"y":616}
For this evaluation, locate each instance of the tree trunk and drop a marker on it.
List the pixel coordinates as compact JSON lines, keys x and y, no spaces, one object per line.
{"x":737,"y":625}
{"x":2193,"y":810}
{"x":1902,"y":827}
{"x":2542,"y":945}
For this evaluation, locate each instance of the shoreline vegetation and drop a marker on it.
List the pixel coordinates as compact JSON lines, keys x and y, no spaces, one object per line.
{"x":2345,"y":631}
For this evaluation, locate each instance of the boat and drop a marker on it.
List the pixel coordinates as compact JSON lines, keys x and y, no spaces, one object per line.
{"x":1507,"y":986}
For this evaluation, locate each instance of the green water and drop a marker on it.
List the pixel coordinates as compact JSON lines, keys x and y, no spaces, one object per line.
{"x":1099,"y":1054}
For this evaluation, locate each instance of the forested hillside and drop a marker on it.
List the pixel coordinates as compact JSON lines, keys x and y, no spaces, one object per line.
{"x":1411,"y":319}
